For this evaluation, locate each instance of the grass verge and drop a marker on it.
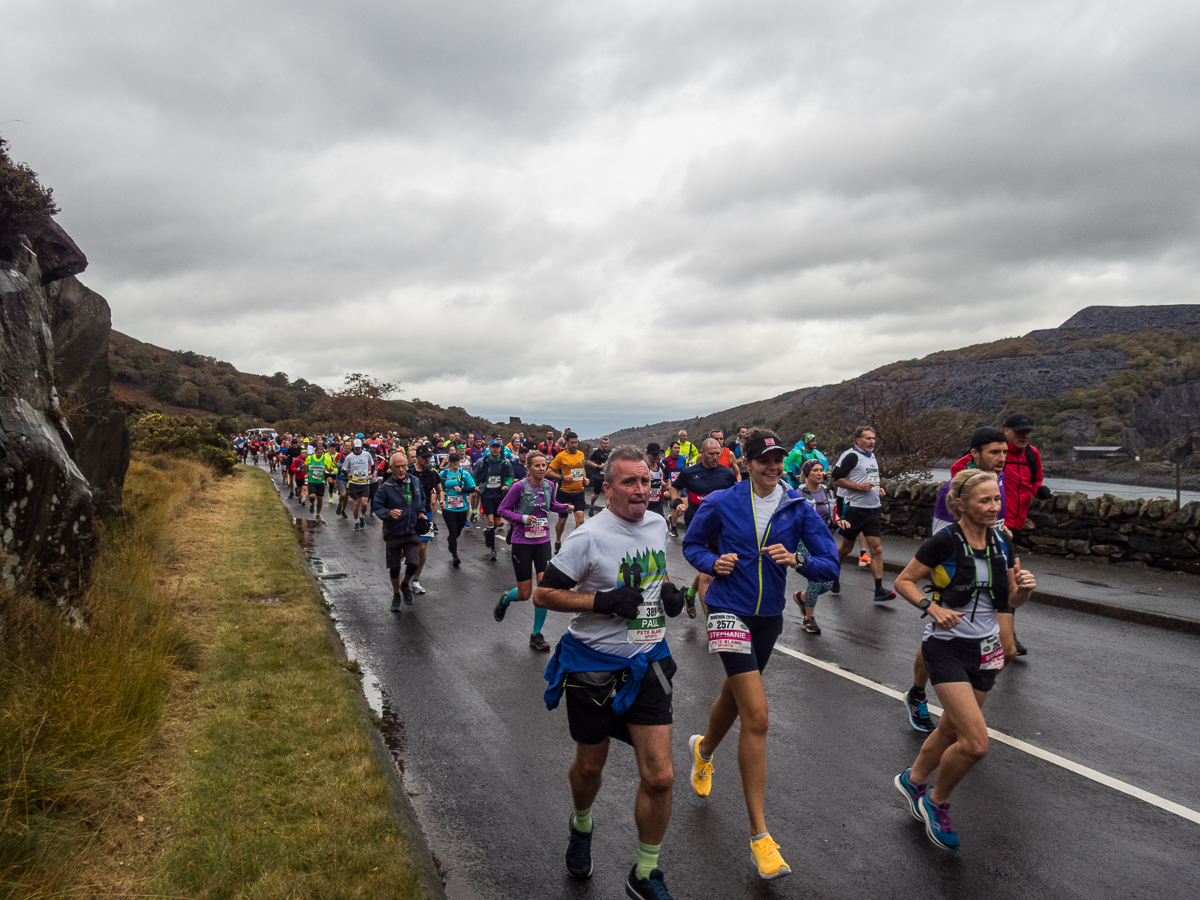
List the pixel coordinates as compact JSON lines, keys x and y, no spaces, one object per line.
{"x":196,"y":742}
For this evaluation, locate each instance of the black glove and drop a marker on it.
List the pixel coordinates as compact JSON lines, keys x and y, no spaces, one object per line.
{"x":673,"y":599}
{"x":622,"y":601}
{"x":1044,"y":493}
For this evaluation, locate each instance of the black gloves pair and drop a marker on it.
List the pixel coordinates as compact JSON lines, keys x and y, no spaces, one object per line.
{"x":624,"y":601}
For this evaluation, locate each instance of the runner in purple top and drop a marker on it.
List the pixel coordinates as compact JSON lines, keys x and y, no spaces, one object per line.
{"x":528,"y":505}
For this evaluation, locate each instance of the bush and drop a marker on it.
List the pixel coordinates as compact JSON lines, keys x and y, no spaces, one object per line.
{"x":24,"y":204}
{"x":185,"y":437}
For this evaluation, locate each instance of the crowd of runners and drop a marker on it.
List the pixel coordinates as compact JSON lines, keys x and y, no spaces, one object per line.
{"x":746,"y":512}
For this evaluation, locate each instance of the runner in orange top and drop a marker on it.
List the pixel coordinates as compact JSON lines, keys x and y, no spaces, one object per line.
{"x":568,"y":469}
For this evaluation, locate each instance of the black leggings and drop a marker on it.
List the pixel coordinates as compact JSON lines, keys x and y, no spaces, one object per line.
{"x":455,"y":520}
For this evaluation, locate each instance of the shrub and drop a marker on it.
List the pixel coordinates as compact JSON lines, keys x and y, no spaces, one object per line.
{"x":24,"y":204}
{"x":185,"y":437}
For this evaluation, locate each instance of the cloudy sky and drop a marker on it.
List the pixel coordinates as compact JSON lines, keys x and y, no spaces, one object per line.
{"x":609,"y":213}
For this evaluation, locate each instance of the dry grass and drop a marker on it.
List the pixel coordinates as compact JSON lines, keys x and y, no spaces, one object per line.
{"x":240,"y":766}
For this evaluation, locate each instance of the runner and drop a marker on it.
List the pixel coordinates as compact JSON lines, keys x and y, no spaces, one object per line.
{"x":1023,"y":481}
{"x":550,"y":448}
{"x":595,"y":467}
{"x":289,"y":460}
{"x":299,"y":470}
{"x":726,"y":459}
{"x":739,"y":452}
{"x":987,"y":453}
{"x":751,"y":526}
{"x":255,"y":449}
{"x":273,"y":455}
{"x":527,"y":505}
{"x":567,"y":468}
{"x":475,"y":452}
{"x":688,"y":492}
{"x":689,"y":451}
{"x":400,"y":504}
{"x":614,"y":663}
{"x":457,"y":485}
{"x":359,"y":468}
{"x":431,"y":485}
{"x":494,"y":476}
{"x":802,"y":453}
{"x":318,"y":465}
{"x":970,"y":564}
{"x":674,"y":463}
{"x":824,"y":504}
{"x":856,"y":476}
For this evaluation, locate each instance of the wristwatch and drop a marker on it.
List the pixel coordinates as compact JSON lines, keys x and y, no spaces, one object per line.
{"x":924,"y":603}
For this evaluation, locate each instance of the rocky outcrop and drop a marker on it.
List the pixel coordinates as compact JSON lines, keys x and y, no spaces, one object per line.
{"x":1098,"y":321}
{"x":64,"y":448}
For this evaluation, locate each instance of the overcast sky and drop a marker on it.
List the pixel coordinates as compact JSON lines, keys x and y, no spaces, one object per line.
{"x":603,"y":213}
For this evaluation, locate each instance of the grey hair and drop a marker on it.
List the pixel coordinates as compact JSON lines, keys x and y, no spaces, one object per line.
{"x":624,"y":453}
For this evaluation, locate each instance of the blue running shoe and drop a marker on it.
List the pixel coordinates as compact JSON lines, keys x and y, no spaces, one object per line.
{"x":579,"y":852}
{"x":936,"y":817}
{"x":912,"y":792}
{"x":918,"y":712}
{"x":651,"y":887}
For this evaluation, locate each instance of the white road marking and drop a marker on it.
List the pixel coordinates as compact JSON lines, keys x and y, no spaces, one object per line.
{"x":1099,"y":777}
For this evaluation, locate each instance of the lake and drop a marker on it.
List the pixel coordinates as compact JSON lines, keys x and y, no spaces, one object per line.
{"x":1099,"y":488}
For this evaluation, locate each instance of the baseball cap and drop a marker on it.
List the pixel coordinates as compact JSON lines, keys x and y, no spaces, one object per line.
{"x":653,"y":447}
{"x":494,"y":443}
{"x":1019,"y":422}
{"x":424,"y":450}
{"x":359,"y":435}
{"x":357,"y":442}
{"x":760,"y":447}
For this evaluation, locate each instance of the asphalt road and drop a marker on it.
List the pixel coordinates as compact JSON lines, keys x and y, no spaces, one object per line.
{"x":485,"y":763}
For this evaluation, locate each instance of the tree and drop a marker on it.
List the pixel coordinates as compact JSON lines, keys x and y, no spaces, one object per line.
{"x":165,"y":381}
{"x":910,"y":441}
{"x":24,"y":204}
{"x":362,"y":403}
{"x":188,"y":395}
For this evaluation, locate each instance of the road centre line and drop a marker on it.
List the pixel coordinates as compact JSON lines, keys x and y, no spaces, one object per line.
{"x":1099,"y":777}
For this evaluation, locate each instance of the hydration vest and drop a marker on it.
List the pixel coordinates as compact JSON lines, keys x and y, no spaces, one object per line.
{"x":959,"y":589}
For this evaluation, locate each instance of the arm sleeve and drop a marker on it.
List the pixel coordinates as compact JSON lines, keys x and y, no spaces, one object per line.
{"x":821,"y":564}
{"x":936,"y":550}
{"x":508,"y":506}
{"x":846,"y":466}
{"x":555,"y":580}
{"x":706,"y":526}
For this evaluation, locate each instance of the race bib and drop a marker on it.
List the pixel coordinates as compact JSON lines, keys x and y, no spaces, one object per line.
{"x":455,"y":501}
{"x":656,"y":493}
{"x":539,"y":529}
{"x":577,"y":474}
{"x":493,"y":481}
{"x":991,"y":654}
{"x":674,"y":475}
{"x":650,"y":625}
{"x":727,"y":634}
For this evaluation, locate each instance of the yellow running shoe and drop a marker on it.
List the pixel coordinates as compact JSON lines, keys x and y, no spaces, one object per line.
{"x":765,"y":853}
{"x":702,"y":769}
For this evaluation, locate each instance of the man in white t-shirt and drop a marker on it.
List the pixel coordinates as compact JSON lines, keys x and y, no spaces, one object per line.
{"x":614,"y":664}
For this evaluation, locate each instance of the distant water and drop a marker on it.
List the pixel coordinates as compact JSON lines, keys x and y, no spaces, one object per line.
{"x":1099,"y":488}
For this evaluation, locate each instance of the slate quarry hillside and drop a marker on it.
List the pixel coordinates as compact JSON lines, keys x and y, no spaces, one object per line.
{"x":1120,"y":375}
{"x":64,"y":447}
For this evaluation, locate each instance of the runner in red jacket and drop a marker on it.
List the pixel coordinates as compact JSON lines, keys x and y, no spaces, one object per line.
{"x":1022,"y":479}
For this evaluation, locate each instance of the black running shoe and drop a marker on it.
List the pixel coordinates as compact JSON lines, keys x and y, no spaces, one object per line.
{"x":918,"y":712}
{"x":884,"y":596}
{"x":674,"y":531}
{"x":537,"y":642}
{"x":579,"y":852}
{"x":501,"y":609}
{"x":811,"y":626}
{"x":557,"y":547}
{"x":396,"y":598}
{"x":407,"y":590}
{"x":651,"y":888}
{"x":457,"y":562}
{"x":837,"y":586}
{"x":1021,"y":648}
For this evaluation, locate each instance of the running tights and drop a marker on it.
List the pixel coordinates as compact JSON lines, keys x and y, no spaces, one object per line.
{"x":455,"y":520}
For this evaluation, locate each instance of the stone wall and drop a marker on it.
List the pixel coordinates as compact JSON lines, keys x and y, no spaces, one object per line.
{"x":1104,"y":529}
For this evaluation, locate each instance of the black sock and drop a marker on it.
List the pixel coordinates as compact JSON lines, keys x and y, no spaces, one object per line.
{"x":879,"y":585}
{"x":918,"y":692}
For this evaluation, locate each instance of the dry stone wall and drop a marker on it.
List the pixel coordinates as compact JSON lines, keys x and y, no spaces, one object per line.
{"x":1104,"y":529}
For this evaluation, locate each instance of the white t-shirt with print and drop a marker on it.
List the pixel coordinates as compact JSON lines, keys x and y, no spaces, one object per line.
{"x":605,"y":552}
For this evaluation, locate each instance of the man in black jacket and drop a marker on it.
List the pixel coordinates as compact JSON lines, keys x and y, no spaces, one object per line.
{"x":400,"y":503}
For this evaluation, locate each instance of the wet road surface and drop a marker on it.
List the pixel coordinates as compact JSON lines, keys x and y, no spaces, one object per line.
{"x":485,"y":763}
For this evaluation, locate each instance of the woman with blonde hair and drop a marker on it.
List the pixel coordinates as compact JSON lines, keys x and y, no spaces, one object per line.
{"x":976,"y":582}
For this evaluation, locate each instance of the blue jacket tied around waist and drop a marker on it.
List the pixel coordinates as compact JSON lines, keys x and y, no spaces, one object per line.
{"x":573,"y":655}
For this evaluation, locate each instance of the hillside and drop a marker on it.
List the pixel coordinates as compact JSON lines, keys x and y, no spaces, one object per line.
{"x":182,"y":383}
{"x":1108,"y":375}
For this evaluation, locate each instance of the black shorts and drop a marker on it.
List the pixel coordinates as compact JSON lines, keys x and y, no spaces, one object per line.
{"x":956,"y":659}
{"x":590,"y":696}
{"x":401,"y":550}
{"x":598,"y":486}
{"x":867,"y":522}
{"x":357,"y":491}
{"x":575,"y":501}
{"x":764,"y":632}
{"x":316,"y":490}
{"x":528,"y":558}
{"x":655,"y":506}
{"x":490,"y":506}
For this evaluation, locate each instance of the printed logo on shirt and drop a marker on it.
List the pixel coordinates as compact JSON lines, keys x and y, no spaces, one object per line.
{"x":646,"y":570}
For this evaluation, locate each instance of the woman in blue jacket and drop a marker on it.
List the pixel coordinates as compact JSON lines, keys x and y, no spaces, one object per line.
{"x":747,"y":537}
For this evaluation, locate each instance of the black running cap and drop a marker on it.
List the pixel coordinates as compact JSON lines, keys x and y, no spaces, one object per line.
{"x":653,"y":447}
{"x":1019,"y":422}
{"x":761,"y":446}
